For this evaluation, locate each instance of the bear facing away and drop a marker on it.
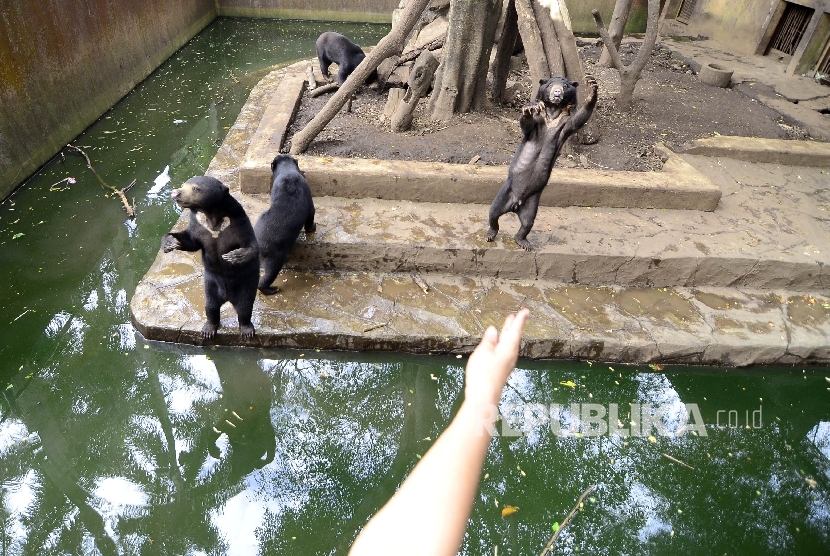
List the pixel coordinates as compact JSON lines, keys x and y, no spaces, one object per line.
{"x":545,"y":125}
{"x":335,"y":48}
{"x":221,"y":230}
{"x":279,"y":226}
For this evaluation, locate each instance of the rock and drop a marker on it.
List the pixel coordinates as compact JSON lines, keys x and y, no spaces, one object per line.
{"x":513,"y":91}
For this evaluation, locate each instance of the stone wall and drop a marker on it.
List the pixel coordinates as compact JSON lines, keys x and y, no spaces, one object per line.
{"x":374,"y":11}
{"x":737,"y":24}
{"x":63,"y":64}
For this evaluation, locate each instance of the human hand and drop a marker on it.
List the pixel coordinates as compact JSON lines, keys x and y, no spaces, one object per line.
{"x":493,"y":360}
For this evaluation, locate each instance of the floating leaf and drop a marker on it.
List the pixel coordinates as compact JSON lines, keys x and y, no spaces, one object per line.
{"x":569,"y":383}
{"x":17,"y":235}
{"x":655,"y":367}
{"x":509,"y":510}
{"x":555,"y":527}
{"x":651,"y":438}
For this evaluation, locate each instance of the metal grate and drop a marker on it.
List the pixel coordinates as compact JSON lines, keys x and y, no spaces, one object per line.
{"x":791,"y":28}
{"x":824,"y":65}
{"x":687,"y":7}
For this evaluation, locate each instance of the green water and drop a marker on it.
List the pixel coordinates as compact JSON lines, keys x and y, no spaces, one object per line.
{"x":107,"y":442}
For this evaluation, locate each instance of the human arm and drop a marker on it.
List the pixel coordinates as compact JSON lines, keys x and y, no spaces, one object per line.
{"x":429,"y":512}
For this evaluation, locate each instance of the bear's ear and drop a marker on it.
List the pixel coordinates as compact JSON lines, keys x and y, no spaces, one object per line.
{"x":542,"y":81}
{"x":575,"y":83}
{"x":274,"y":164}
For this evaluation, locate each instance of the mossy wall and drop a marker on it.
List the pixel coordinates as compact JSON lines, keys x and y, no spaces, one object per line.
{"x":373,"y":11}
{"x":64,"y":64}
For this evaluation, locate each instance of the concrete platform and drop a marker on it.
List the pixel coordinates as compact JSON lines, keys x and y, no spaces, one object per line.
{"x":744,"y":284}
{"x":678,"y":186}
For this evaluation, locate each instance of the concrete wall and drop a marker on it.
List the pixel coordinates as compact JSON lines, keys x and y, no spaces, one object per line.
{"x":738,"y":24}
{"x":375,"y":11}
{"x":63,"y":64}
{"x":381,"y":11}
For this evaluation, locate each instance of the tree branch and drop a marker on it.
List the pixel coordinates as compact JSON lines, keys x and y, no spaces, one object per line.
{"x":549,"y":546}
{"x":119,"y":192}
{"x":390,"y":44}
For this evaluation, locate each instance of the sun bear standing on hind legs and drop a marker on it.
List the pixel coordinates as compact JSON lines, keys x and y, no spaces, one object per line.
{"x":545,"y":127}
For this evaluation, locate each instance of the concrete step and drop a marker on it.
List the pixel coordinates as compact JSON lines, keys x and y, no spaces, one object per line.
{"x":439,"y":313}
{"x":590,"y":246}
{"x":677,"y":186}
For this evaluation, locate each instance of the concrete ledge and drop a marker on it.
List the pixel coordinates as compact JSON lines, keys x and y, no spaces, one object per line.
{"x":271,"y":132}
{"x":391,"y":312}
{"x":678,"y":186}
{"x":753,"y":149}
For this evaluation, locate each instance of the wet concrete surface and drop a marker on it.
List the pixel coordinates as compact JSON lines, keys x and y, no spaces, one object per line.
{"x":744,"y":284}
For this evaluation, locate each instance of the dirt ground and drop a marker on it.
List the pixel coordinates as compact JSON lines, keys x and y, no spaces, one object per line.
{"x":671,"y":105}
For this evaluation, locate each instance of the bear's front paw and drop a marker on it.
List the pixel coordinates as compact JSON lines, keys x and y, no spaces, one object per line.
{"x":237,"y":256}
{"x":591,"y":81}
{"x":170,"y":243}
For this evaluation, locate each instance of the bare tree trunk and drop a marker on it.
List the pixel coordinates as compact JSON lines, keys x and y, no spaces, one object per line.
{"x":390,"y":44}
{"x":573,"y":63}
{"x":621,"y":10}
{"x":629,"y":75}
{"x":504,"y":51}
{"x":537,"y":61}
{"x":567,"y":41}
{"x":550,"y":41}
{"x":460,"y":83}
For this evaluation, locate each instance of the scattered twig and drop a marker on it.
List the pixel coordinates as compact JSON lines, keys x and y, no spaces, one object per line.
{"x":579,"y":502}
{"x":54,"y":187}
{"x":677,"y":461}
{"x":235,"y":80}
{"x":375,"y":327}
{"x":322,"y":89}
{"x":119,"y":192}
{"x":421,"y":284}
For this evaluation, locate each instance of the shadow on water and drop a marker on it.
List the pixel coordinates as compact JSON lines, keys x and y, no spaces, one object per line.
{"x":113,"y":445}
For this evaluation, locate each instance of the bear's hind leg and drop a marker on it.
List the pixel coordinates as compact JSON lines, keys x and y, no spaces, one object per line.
{"x":499,"y":206}
{"x":271,"y":267}
{"x":243,"y":302}
{"x":310,"y":226}
{"x":213,"y":302}
{"x":527,"y":214}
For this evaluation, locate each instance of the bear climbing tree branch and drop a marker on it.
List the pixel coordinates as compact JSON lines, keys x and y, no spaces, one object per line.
{"x":389,"y":45}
